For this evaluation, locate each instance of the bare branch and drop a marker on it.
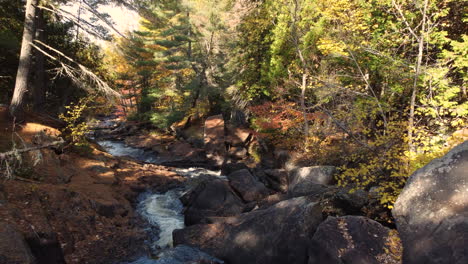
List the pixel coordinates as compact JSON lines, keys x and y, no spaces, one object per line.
{"x":81,"y":75}
{"x":90,"y":29}
{"x":400,"y":12}
{"x":366,"y":80}
{"x":103,"y":19}
{"x":7,"y":154}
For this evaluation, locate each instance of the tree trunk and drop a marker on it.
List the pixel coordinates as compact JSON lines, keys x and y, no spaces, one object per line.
{"x":21,"y":84}
{"x":303,"y":106}
{"x":39,"y":83}
{"x":417,"y":72}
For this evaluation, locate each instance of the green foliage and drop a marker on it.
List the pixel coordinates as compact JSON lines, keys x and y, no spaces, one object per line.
{"x":165,"y":119}
{"x":359,"y":57}
{"x":76,"y":128}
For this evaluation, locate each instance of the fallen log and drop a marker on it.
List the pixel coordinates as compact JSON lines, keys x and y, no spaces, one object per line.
{"x":7,"y":154}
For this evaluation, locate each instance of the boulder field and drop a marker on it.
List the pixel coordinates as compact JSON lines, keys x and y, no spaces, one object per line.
{"x":300,"y":216}
{"x":79,"y":209}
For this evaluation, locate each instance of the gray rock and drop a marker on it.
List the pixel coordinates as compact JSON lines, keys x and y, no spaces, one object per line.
{"x":208,"y":199}
{"x":302,"y":179}
{"x":351,"y":202}
{"x":247,"y":186}
{"x":13,"y":247}
{"x":183,"y":254}
{"x":276,"y":235}
{"x":354,"y":240}
{"x":431,"y":212}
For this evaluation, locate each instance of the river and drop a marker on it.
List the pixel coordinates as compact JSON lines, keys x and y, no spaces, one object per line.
{"x":163,"y":212}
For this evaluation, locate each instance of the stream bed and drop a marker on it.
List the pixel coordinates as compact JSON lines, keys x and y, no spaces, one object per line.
{"x":163,"y":212}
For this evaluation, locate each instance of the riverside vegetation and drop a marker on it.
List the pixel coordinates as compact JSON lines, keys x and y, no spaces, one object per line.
{"x":362,"y":93}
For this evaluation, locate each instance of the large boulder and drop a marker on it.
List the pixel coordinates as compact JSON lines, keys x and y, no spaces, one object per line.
{"x":13,"y":247}
{"x":181,"y":254}
{"x":209,"y":199}
{"x":214,"y":139}
{"x":276,"y":235}
{"x":301,"y":179}
{"x":354,"y":240}
{"x":247,"y":186}
{"x":431,"y":212}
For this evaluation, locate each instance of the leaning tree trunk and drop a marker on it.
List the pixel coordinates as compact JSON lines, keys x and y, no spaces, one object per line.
{"x":21,"y":84}
{"x":39,"y":82}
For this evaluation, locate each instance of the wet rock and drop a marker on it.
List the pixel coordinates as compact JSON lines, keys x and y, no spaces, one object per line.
{"x":276,"y":235}
{"x":214,"y":198}
{"x":354,"y":240}
{"x":214,"y":139}
{"x":302,"y":179}
{"x":247,"y":186}
{"x":13,"y":247}
{"x":431,"y":212}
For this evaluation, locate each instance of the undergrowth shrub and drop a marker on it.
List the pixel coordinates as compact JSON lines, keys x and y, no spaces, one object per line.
{"x":76,"y":127}
{"x":387,"y":163}
{"x":278,"y":123}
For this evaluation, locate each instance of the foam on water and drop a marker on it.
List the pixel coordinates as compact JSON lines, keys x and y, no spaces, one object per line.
{"x":197,"y":172}
{"x":119,"y":149}
{"x":165,"y":212}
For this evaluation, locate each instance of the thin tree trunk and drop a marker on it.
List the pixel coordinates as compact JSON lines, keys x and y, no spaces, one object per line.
{"x":295,"y":39}
{"x":79,"y":18}
{"x":411,"y":146}
{"x":21,"y":84}
{"x":189,"y":35}
{"x":39,"y":83}
{"x":303,"y":106}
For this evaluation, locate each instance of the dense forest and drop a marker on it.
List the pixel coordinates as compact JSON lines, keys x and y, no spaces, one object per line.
{"x":376,"y":88}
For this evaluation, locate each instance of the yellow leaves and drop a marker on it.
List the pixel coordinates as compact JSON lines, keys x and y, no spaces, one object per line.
{"x":331,"y":47}
{"x":76,"y":130}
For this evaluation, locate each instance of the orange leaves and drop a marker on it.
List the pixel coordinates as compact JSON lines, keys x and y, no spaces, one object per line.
{"x":276,"y":116}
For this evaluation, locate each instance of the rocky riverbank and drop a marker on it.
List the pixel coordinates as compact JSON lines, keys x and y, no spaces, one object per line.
{"x":75,"y":208}
{"x":82,"y":208}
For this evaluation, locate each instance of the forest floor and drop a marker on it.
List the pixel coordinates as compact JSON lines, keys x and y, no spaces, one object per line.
{"x":83,"y":201}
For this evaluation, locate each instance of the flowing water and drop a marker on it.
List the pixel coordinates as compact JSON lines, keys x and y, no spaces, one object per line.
{"x":119,"y":149}
{"x":163,"y":211}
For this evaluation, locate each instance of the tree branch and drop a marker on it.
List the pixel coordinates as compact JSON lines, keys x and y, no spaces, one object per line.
{"x":7,"y":154}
